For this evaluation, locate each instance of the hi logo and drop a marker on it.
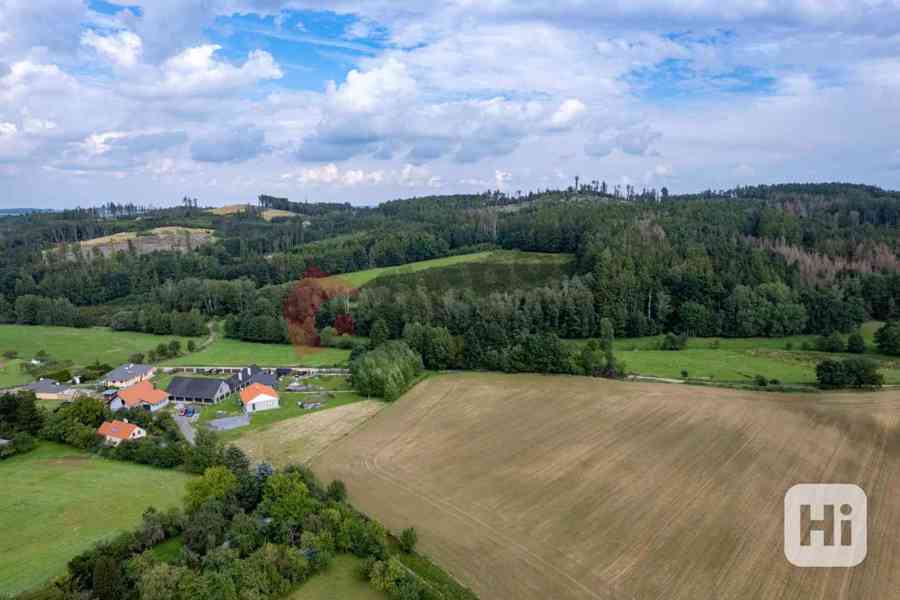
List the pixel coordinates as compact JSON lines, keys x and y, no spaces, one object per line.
{"x":825,"y":525}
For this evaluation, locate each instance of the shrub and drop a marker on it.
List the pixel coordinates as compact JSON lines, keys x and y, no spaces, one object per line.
{"x":684,"y":374}
{"x":61,"y":376}
{"x":760,"y":381}
{"x":888,"y":338}
{"x":789,"y":346}
{"x":833,"y":342}
{"x":137,"y":357}
{"x":337,"y":490}
{"x":848,"y":373}
{"x":191,"y":346}
{"x":408,"y":539}
{"x":673,"y":342}
{"x":856,"y":344}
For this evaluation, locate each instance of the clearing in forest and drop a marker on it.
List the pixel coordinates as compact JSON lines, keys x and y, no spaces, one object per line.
{"x":528,"y":486}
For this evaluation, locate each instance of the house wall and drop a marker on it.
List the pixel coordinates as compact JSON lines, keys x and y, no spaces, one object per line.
{"x":262,"y":403}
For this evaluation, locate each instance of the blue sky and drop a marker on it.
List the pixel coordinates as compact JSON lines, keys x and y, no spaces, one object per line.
{"x":370,"y":100}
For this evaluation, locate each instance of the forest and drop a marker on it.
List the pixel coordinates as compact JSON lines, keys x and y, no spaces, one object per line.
{"x":763,"y":261}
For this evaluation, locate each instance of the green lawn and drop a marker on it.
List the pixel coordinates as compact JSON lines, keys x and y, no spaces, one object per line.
{"x":341,"y":582}
{"x":57,"y":501}
{"x":730,"y":360}
{"x":81,"y":346}
{"x":11,"y":374}
{"x":225,"y":352}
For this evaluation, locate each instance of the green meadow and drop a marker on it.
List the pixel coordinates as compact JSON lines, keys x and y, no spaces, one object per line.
{"x":81,"y":346}
{"x":56,"y":502}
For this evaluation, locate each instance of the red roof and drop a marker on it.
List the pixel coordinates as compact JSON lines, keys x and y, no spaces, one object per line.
{"x":117,"y":429}
{"x":142,"y":392}
{"x":252,"y":391}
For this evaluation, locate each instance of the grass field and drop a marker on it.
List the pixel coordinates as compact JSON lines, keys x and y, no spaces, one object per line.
{"x":56,"y":502}
{"x":358,"y":279}
{"x":575,"y":488}
{"x":225,"y":352}
{"x":340,"y":582}
{"x":738,"y":360}
{"x":81,"y":346}
{"x":11,"y":374}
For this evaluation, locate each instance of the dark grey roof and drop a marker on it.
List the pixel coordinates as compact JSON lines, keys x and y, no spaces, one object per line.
{"x":194,"y":387}
{"x":265,"y":379}
{"x":46,"y":386}
{"x":127,"y":371}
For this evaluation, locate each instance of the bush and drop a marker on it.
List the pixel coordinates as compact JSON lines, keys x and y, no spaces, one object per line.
{"x":408,"y":539}
{"x":848,"y":373}
{"x":60,"y":376}
{"x":856,"y":344}
{"x":685,"y":374}
{"x":673,"y":342}
{"x":137,"y":358}
{"x":789,"y":346}
{"x":888,"y":338}
{"x":833,"y":342}
{"x":760,"y":381}
{"x":191,"y":346}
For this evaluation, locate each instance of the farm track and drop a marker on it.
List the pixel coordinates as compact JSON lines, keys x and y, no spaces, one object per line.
{"x":572,"y":488}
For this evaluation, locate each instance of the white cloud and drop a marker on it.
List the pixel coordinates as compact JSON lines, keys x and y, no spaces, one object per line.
{"x":123,"y":48}
{"x":367,"y":91}
{"x":568,"y":113}
{"x":197,"y":72}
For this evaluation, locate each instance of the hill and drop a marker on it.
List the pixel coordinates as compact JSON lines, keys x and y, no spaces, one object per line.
{"x":573,"y":488}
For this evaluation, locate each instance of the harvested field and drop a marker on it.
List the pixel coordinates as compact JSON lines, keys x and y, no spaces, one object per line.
{"x":299,"y":439}
{"x":527,"y":486}
{"x":161,"y":238}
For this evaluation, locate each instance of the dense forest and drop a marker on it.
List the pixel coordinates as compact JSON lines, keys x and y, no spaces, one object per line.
{"x":755,"y":261}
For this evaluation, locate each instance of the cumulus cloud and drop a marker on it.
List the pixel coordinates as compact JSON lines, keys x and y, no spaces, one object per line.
{"x":198,"y":72}
{"x":231,"y":145}
{"x":567,"y":114}
{"x":367,"y":91}
{"x":122,"y":48}
{"x":450,"y":92}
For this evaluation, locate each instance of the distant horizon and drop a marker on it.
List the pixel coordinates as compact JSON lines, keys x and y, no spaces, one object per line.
{"x":253,"y":202}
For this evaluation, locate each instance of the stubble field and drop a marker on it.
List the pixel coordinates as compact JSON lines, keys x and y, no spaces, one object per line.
{"x":574,"y":488}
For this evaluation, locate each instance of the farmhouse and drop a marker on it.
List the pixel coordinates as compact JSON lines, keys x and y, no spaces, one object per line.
{"x":127,"y":375}
{"x":257,"y":397}
{"x":116,"y":432}
{"x":196,"y":389}
{"x":143,"y":395}
{"x":48,"y":389}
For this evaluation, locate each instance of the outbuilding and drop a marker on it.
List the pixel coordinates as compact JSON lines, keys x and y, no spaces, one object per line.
{"x":257,"y":397}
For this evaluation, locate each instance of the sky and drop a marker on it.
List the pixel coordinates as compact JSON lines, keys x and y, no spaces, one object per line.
{"x":370,"y":100}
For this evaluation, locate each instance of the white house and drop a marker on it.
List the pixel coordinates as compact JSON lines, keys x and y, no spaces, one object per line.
{"x":257,"y":397}
{"x":116,"y":432}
